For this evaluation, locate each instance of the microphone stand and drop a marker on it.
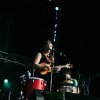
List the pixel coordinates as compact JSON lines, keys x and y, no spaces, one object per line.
{"x":51,"y":75}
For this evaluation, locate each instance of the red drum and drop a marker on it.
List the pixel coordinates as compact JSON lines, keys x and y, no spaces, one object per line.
{"x":33,"y":83}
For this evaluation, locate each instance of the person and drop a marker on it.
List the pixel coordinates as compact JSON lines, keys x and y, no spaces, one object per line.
{"x":68,"y":84}
{"x":43,"y":63}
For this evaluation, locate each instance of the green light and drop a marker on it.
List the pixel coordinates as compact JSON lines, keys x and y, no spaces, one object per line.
{"x":6,"y":83}
{"x":5,"y":80}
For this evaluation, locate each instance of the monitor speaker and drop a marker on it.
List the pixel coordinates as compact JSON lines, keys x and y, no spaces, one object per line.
{"x":54,"y":96}
{"x":68,"y":96}
{"x":72,"y":96}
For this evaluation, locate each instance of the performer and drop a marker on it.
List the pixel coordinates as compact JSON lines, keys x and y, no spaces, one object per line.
{"x":43,"y":63}
{"x":68,"y":84}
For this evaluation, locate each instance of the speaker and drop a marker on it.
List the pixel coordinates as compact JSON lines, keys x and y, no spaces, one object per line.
{"x":72,"y":96}
{"x":67,"y":96}
{"x":54,"y":96}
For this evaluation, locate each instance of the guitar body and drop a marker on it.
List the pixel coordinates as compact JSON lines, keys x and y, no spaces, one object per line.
{"x":44,"y":70}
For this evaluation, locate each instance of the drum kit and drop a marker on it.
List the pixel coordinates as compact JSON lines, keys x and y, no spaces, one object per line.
{"x":35,"y":83}
{"x":29,"y":84}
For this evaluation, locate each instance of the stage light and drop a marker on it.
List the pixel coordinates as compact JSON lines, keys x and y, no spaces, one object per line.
{"x":5,"y":80}
{"x":56,"y":8}
{"x":6,"y":83}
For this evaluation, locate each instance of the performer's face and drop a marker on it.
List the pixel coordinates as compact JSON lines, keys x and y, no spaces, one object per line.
{"x":50,"y":46}
{"x":68,"y":76}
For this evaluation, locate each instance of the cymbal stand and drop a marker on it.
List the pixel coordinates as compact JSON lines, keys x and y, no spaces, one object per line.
{"x":85,"y":86}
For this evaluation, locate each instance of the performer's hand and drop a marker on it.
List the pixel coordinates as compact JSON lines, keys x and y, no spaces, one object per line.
{"x":47,"y":66}
{"x":69,"y":65}
{"x":58,"y":69}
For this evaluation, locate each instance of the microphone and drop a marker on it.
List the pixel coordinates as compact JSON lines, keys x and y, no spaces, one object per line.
{"x":65,"y":57}
{"x":62,"y":54}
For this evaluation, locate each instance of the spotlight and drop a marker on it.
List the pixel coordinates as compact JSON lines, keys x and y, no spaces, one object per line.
{"x":6,"y":83}
{"x":56,"y":8}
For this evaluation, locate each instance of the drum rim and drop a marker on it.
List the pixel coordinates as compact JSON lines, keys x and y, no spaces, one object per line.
{"x":35,"y":78}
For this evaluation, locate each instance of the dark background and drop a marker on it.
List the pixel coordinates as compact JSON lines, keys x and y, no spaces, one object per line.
{"x":25,"y":25}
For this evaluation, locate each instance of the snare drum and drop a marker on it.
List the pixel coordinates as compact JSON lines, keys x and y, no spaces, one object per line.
{"x":69,"y":86}
{"x":33,"y":83}
{"x":66,"y":88}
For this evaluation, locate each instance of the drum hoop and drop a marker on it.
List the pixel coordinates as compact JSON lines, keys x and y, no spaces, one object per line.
{"x":34,"y":78}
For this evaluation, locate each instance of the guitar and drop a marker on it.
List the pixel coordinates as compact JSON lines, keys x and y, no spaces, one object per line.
{"x":45,"y":70}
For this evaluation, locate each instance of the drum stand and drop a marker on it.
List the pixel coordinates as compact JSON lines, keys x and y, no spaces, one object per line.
{"x":23,"y":79}
{"x":21,"y":97}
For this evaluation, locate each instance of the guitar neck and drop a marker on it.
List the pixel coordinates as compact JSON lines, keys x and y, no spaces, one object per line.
{"x":63,"y":66}
{"x":60,"y":66}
